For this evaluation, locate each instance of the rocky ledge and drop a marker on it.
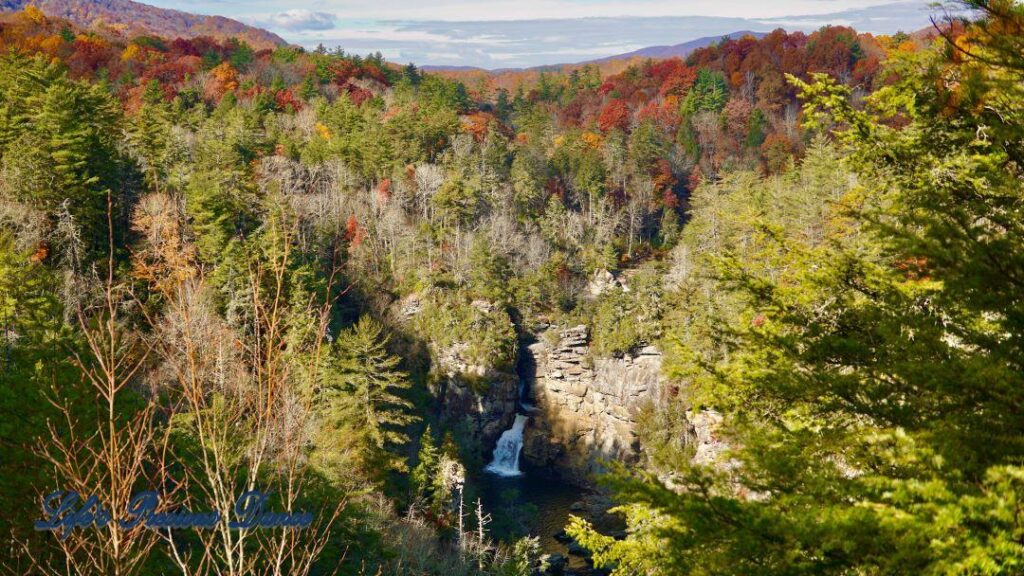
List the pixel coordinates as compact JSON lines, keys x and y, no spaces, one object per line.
{"x":485,"y":397}
{"x":586,"y":408}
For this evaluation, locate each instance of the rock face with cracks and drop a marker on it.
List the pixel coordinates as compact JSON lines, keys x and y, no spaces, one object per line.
{"x":489,"y":410}
{"x":586,"y":408}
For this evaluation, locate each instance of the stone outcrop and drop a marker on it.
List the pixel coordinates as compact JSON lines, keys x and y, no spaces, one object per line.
{"x":484,"y":397}
{"x":586,"y":409}
{"x":709,"y":447}
{"x":470,"y":391}
{"x":602,"y":281}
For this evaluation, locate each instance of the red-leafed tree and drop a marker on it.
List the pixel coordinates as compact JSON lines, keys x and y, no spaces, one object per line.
{"x":286,"y":101}
{"x":384,"y":191}
{"x":354,"y":233}
{"x":614,"y":115}
{"x":676,"y":78}
{"x":833,"y":50}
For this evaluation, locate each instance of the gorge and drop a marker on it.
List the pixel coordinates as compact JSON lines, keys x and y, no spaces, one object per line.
{"x":574,"y":413}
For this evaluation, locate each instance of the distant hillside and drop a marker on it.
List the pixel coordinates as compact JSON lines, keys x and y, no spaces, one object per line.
{"x":447,"y":68}
{"x":134,"y":18}
{"x":680,"y":50}
{"x":656,"y":52}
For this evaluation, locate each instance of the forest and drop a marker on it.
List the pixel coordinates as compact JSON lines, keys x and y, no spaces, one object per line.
{"x":754,"y":312}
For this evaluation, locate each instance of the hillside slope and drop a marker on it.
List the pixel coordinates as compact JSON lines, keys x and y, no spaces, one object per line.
{"x":134,"y":18}
{"x":680,"y":50}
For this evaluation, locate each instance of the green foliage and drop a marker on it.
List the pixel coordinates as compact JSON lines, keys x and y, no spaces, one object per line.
{"x":490,"y":273}
{"x":872,"y":430}
{"x":486,"y":332}
{"x":151,"y":42}
{"x":429,"y":476}
{"x":149,"y":134}
{"x":756,"y":131}
{"x":733,"y":222}
{"x":459,"y":200}
{"x":548,"y":89}
{"x":363,"y":396}
{"x":647,"y":145}
{"x":709,"y":93}
{"x":242,"y":54}
{"x":219,"y":198}
{"x":502,"y":105}
{"x":425,"y":475}
{"x":529,"y":174}
{"x":411,"y":74}
{"x":58,"y":146}
{"x":622,"y":321}
{"x":287,"y":54}
{"x":441,"y":94}
{"x":34,"y":369}
{"x":524,"y":556}
{"x":643,"y":552}
{"x":214,"y":212}
{"x":582,"y":168}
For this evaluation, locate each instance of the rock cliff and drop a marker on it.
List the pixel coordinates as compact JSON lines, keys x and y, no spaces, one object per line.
{"x":478,"y":396}
{"x":482,"y":396}
{"x":586,"y":408}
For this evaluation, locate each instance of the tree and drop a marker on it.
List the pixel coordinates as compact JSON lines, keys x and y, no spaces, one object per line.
{"x":757,"y":123}
{"x":438,"y":474}
{"x":834,"y":50}
{"x":615,"y":115}
{"x":459,"y":199}
{"x":872,"y":383}
{"x":33,"y":365}
{"x":441,"y":94}
{"x":149,"y":134}
{"x":219,"y":198}
{"x":428,"y":462}
{"x":362,"y":394}
{"x":411,"y":74}
{"x":241,"y":53}
{"x":528,"y":175}
{"x":502,"y":105}
{"x":490,"y":272}
{"x":214,"y":212}
{"x":709,"y":93}
{"x":59,"y":144}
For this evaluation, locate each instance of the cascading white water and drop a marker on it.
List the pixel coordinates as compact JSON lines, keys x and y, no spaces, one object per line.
{"x":506,"y":453}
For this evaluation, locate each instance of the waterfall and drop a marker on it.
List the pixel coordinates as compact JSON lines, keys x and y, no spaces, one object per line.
{"x":506,"y":453}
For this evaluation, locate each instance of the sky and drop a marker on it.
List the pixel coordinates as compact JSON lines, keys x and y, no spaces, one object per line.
{"x":522,"y":33}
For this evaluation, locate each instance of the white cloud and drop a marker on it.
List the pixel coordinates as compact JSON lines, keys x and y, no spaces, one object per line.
{"x":592,"y":52}
{"x":533,"y":32}
{"x":470,"y":10}
{"x":393,"y":33}
{"x":297,"y":20}
{"x":497,"y":10}
{"x":798,"y":23}
{"x":389,"y":34}
{"x":438,"y":56}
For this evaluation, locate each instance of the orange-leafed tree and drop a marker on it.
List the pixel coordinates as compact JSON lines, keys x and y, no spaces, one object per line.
{"x":614,"y":115}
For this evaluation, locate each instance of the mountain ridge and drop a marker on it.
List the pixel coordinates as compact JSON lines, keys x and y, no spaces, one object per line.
{"x":135,"y":18}
{"x":681,"y":50}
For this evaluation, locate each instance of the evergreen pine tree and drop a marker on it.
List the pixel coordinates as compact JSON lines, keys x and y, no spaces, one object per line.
{"x":149,"y":132}
{"x":363,"y":394}
{"x":428,"y":460}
